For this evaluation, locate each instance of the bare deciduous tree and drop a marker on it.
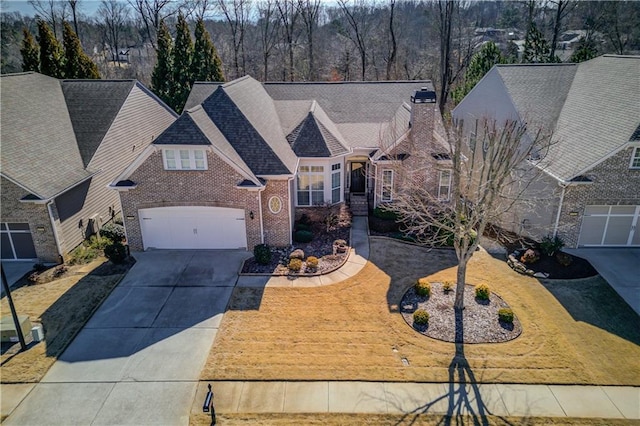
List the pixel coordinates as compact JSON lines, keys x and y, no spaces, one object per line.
{"x":237,"y":13}
{"x":357,"y":17}
{"x":289,"y":14}
{"x":393,"y":49}
{"x":489,"y":176}
{"x":563,"y":8}
{"x":152,"y":12}
{"x":113,"y":17}
{"x":309,"y":11}
{"x":268,"y":27}
{"x":53,"y":12}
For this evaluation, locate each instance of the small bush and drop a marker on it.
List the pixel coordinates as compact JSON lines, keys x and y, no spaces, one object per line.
{"x":482,"y":292}
{"x":295,"y":265}
{"x":447,"y":286}
{"x":530,"y":256}
{"x":59,"y":270}
{"x":262,"y":254}
{"x":386,"y":214}
{"x":82,"y":254}
{"x":304,"y":219}
{"x":98,"y":243}
{"x":339,"y":243}
{"x":564,"y":259}
{"x":551,"y":245}
{"x":297,"y":254}
{"x":421,"y":317}
{"x":505,"y":315}
{"x":303,"y":227}
{"x":423,"y":288}
{"x":115,"y":252}
{"x":113,"y":231}
{"x":312,"y":262}
{"x":303,"y":236}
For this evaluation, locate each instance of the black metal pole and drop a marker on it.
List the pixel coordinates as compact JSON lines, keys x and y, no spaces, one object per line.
{"x":16,"y":321}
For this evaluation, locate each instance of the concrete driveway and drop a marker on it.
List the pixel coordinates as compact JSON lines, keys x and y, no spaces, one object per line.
{"x":138,"y":359}
{"x":620,"y":267}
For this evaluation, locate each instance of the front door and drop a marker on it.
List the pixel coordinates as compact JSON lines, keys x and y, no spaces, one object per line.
{"x":358,"y":177}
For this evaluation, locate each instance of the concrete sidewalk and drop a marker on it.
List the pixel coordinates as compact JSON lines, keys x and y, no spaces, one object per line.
{"x":355,"y":262}
{"x":612,"y":402}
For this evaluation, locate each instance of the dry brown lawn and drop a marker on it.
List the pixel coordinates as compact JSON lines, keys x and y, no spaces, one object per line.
{"x":353,"y":330}
{"x":339,"y":419}
{"x":62,"y":306}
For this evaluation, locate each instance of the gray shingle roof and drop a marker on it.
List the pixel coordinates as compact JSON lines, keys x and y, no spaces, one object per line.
{"x":538,"y":91}
{"x":93,"y":106}
{"x":200,"y":91}
{"x":312,"y":139}
{"x":601,"y":112}
{"x":183,"y":131}
{"x":39,"y":149}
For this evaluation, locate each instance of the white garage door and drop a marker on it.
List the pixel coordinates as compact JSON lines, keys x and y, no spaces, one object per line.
{"x":193,"y":228}
{"x":610,"y":226}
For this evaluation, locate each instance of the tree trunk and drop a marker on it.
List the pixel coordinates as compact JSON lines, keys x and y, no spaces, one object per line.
{"x":394,"y":46}
{"x":461,"y":276}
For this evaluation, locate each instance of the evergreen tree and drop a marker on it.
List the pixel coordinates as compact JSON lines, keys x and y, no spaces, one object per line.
{"x":206,"y":64}
{"x":181,"y":65}
{"x":77,"y":64}
{"x":585,"y":50}
{"x":536,"y":48}
{"x":51,"y":56}
{"x":30,"y":52}
{"x":162,"y":76}
{"x":480,"y":64}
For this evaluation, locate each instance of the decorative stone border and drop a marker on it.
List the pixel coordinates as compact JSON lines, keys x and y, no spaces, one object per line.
{"x":515,"y":264}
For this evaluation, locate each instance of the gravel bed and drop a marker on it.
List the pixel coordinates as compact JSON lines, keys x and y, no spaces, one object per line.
{"x":480,"y":318}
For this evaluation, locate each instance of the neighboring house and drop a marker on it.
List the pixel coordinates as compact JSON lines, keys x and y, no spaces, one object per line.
{"x":589,"y":192}
{"x":246,"y":157}
{"x":63,"y":142}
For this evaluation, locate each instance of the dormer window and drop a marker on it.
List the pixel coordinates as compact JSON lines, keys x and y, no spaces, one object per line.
{"x":635,"y":159}
{"x":184,"y":159}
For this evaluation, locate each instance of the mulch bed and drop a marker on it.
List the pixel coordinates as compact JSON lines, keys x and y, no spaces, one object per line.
{"x":579,"y":268}
{"x":480,"y":322}
{"x":321,"y":247}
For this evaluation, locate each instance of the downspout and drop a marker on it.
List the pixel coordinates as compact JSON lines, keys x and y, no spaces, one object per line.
{"x":290,"y":207}
{"x":555,"y":228}
{"x":55,"y":231}
{"x":261,"y":217}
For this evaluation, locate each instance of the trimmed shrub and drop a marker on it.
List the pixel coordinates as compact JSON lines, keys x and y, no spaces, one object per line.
{"x":115,"y":252}
{"x":303,"y":236}
{"x":96,"y":242}
{"x":447,"y":286}
{"x":295,"y":265}
{"x":297,"y":254}
{"x":482,"y":292}
{"x":312,"y":262}
{"x":505,"y":315}
{"x":421,"y":317}
{"x":304,"y":219}
{"x":262,"y":254}
{"x":551,"y":245}
{"x":530,"y":256}
{"x":564,"y":259}
{"x":386,"y":214}
{"x":423,"y":288}
{"x":303,"y":227}
{"x":113,"y":231}
{"x":82,"y":254}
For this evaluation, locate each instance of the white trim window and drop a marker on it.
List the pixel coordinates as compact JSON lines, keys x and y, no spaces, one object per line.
{"x":184,"y":159}
{"x":310,"y":184}
{"x":444,"y":185}
{"x":635,"y":159}
{"x":336,"y":183}
{"x":387,"y":186}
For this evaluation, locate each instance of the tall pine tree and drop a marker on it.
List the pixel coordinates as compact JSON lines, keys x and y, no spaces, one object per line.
{"x":162,"y":76}
{"x":30,"y":52}
{"x":480,"y":64}
{"x":536,"y":48}
{"x":206,"y":64}
{"x":181,"y":70}
{"x":77,"y":64}
{"x":51,"y":56}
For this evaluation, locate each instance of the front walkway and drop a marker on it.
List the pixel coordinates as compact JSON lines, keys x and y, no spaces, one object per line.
{"x":611,"y":402}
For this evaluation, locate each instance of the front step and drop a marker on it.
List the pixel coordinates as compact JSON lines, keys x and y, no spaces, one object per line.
{"x":359,"y":205}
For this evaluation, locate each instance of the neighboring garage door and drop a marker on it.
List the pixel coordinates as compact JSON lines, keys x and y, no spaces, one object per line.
{"x":16,"y":241}
{"x":610,"y":226}
{"x":193,"y":228}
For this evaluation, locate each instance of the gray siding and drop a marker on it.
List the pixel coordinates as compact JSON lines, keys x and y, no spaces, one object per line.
{"x":140,"y":120}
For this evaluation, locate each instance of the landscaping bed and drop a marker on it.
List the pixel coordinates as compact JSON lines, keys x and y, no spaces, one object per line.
{"x":321,"y":247}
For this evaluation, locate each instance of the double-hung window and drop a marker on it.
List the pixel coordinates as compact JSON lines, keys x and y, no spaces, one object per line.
{"x":635,"y":158}
{"x":336,"y":188}
{"x":444,"y":187}
{"x":310,"y":185}
{"x":387,"y":185}
{"x":184,"y":159}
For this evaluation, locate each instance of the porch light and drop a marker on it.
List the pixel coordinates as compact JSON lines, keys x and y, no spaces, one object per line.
{"x":251,"y":215}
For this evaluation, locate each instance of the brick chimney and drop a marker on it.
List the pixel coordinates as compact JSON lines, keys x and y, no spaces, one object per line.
{"x":423,"y":110}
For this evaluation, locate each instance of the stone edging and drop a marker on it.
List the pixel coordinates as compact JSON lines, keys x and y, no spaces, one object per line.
{"x":521,"y":268}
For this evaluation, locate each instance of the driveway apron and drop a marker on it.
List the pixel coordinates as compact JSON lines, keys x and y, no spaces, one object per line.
{"x":138,"y":359}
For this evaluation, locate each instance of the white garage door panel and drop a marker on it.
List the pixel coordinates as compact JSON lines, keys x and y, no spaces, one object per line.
{"x":610,"y":226}
{"x":193,"y":228}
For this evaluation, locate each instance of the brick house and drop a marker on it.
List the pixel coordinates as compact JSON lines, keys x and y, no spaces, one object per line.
{"x":589,"y":189}
{"x":63,"y":142}
{"x":245,"y":157}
